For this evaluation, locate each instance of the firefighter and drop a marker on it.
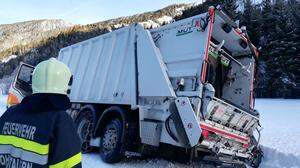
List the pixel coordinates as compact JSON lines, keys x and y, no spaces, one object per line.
{"x":38,"y":132}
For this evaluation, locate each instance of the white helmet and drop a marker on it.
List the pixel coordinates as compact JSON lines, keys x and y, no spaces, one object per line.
{"x":51,"y":76}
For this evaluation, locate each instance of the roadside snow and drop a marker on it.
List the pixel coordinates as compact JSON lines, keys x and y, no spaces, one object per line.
{"x":280,"y":139}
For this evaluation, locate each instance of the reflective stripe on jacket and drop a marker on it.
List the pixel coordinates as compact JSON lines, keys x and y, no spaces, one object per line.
{"x":38,"y":133}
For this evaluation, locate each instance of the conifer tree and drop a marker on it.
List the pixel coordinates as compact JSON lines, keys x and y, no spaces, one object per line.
{"x":267,"y":22}
{"x":281,"y":53}
{"x":293,"y":48}
{"x":199,"y":9}
{"x":231,"y":9}
{"x":251,"y":18}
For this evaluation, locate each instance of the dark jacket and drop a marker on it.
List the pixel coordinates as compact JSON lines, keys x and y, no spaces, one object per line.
{"x":38,"y":133}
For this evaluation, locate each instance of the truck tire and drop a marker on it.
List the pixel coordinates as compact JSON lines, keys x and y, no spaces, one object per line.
{"x":111,"y":142}
{"x":84,"y":126}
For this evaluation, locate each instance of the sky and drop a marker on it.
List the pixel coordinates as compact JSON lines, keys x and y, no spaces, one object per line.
{"x":77,"y":11}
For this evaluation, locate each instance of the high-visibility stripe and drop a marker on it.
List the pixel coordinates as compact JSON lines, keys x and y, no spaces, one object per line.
{"x":71,"y":162}
{"x":24,"y":144}
{"x":23,"y":154}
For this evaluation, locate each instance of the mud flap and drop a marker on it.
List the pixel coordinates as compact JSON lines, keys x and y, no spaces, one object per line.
{"x":187,"y":125}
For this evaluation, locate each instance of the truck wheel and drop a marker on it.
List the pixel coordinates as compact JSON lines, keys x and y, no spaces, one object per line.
{"x":85,"y":125}
{"x":111,"y":142}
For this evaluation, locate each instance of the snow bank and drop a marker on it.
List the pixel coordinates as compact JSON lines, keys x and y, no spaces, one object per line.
{"x":280,"y":139}
{"x":94,"y":161}
{"x":2,"y":104}
{"x":273,"y":158}
{"x":281,"y":134}
{"x":5,"y":83}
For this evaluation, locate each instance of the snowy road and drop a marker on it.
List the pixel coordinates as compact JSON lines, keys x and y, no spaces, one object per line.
{"x":280,"y":138}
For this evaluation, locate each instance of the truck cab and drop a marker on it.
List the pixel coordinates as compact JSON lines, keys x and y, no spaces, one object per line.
{"x":21,"y":85}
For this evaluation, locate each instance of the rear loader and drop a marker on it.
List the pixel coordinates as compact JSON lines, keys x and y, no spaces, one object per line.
{"x":184,"y":87}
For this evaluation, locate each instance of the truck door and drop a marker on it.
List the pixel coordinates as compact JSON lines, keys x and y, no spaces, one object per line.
{"x":21,"y":85}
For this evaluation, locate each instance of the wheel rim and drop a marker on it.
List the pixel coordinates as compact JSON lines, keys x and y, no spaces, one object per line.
{"x":109,"y":140}
{"x":82,"y":129}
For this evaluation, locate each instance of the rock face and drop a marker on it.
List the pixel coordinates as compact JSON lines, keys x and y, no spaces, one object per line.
{"x":35,"y":41}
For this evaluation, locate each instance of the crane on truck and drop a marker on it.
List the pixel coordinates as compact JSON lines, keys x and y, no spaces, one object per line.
{"x":186,"y":86}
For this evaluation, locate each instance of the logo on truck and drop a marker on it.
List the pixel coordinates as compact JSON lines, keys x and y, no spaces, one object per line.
{"x":184,"y":31}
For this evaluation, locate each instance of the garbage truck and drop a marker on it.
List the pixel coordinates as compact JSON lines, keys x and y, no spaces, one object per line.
{"x":183,"y":89}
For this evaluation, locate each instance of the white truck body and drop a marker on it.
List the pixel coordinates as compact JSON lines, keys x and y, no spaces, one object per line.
{"x":191,"y":82}
{"x":142,"y":68}
{"x":103,"y":68}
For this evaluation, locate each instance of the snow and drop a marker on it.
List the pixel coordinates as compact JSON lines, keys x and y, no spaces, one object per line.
{"x":280,"y":139}
{"x":179,"y":11}
{"x":157,"y":23}
{"x":197,"y":3}
{"x":5,"y":82}
{"x":150,"y":24}
{"x":116,"y":26}
{"x":2,"y":104}
{"x":164,"y":20}
{"x":6,"y":60}
{"x":94,"y":161}
{"x":281,"y":133}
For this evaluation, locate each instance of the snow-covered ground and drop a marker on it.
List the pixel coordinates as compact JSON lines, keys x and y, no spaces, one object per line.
{"x":2,"y":104}
{"x":281,"y":134}
{"x":280,"y":138}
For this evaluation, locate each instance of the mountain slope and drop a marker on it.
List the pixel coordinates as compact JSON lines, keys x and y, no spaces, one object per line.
{"x":24,"y":33}
{"x":38,"y":46}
